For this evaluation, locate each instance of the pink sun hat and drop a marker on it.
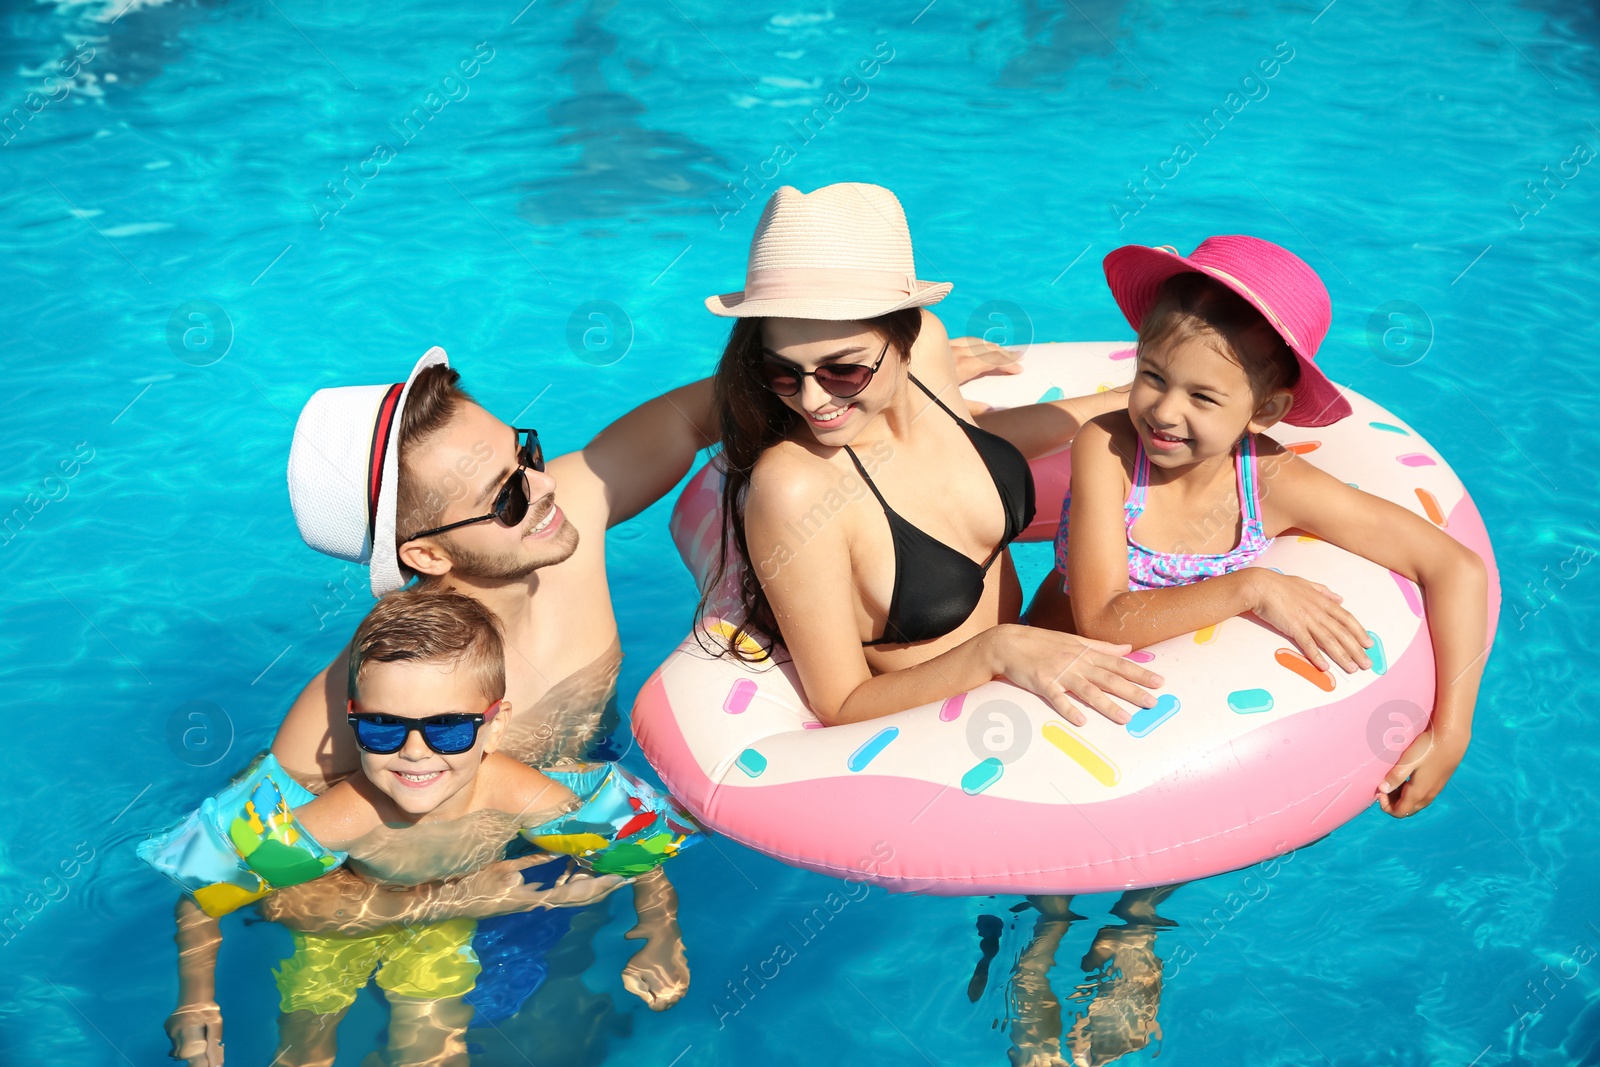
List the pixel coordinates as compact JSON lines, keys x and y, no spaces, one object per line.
{"x":1275,"y":281}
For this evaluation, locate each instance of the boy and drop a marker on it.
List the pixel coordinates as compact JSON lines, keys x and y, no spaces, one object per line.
{"x":434,"y":801}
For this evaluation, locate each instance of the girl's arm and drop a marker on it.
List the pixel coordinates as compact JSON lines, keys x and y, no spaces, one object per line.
{"x":195,"y":1027}
{"x":1037,"y":429}
{"x":809,"y":584}
{"x":1097,"y":560}
{"x":1454,"y":585}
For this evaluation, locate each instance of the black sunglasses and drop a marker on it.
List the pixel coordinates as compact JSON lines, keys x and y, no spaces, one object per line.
{"x":449,"y":735}
{"x":841,"y":380}
{"x":511,"y":503}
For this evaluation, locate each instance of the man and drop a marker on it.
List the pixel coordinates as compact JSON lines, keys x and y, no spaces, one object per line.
{"x":418,"y":479}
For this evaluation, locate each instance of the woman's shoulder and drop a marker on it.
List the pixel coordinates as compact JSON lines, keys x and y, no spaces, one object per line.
{"x":788,"y":478}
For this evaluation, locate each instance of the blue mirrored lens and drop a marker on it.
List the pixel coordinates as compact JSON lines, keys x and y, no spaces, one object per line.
{"x":380,"y":736}
{"x":449,"y":738}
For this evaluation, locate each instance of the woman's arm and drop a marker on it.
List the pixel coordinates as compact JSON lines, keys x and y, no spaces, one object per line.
{"x":810,"y":587}
{"x":1454,"y":585}
{"x":1097,"y":560}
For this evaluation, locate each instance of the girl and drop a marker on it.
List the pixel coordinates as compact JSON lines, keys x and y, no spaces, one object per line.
{"x":1173,"y":498}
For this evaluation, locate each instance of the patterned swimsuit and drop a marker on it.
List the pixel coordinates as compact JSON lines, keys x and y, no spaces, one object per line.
{"x":1159,"y":570}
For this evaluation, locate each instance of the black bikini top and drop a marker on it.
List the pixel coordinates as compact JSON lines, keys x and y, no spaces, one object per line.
{"x":944,"y":586}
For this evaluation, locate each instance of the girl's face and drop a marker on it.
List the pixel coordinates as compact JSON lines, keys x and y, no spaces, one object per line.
{"x":805,"y":345}
{"x":416,"y":778}
{"x":1191,"y":402}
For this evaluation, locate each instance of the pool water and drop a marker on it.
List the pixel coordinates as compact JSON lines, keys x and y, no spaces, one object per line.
{"x":224,"y":207}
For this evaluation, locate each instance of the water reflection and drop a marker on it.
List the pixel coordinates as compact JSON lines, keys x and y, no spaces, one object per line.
{"x":623,"y":166}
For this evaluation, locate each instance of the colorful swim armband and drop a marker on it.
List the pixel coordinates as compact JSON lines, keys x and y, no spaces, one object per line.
{"x":623,"y":827}
{"x":243,"y":843}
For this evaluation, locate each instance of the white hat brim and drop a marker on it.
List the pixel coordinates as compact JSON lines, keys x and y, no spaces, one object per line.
{"x":385,"y":565}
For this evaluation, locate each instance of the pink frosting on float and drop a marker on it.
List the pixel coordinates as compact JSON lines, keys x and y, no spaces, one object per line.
{"x":1203,"y":821}
{"x":1295,"y":772}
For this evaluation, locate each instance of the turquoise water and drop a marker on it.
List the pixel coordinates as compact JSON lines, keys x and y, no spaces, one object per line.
{"x":154,"y":582}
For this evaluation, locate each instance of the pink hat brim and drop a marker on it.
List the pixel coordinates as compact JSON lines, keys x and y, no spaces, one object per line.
{"x":1135,"y":274}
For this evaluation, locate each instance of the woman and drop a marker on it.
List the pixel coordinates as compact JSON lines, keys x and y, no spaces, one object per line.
{"x":866,"y":515}
{"x":871,"y":539}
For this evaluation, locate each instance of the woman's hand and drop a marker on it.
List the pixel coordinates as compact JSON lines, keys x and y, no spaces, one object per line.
{"x":1424,"y":767}
{"x":1310,"y":615}
{"x":1056,"y":666}
{"x":196,"y":1033}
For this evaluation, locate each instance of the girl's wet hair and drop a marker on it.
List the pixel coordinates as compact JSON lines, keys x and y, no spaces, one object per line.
{"x":1192,"y":305}
{"x":420,"y":625}
{"x":753,"y":419}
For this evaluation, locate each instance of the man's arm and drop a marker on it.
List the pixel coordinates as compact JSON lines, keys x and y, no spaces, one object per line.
{"x":342,"y":903}
{"x":314,"y":743}
{"x":639,"y":458}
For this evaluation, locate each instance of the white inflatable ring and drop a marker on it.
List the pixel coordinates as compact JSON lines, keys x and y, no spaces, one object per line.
{"x":1249,"y":753}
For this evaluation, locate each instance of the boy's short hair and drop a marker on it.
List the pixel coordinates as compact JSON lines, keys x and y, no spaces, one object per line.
{"x":1192,"y":304}
{"x":426,"y":626}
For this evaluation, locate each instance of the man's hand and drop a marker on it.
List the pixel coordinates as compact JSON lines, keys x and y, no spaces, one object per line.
{"x":977,"y":358}
{"x":343,"y":903}
{"x":196,"y":1033}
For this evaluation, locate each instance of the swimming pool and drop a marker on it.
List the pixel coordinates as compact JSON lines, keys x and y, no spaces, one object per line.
{"x":160,"y":610}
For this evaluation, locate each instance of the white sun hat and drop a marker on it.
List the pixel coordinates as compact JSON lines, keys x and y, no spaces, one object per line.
{"x":840,"y":253}
{"x":344,"y":472}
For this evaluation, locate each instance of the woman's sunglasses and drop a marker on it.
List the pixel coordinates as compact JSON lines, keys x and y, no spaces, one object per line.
{"x":448,"y":735}
{"x":511,"y":503}
{"x":841,"y":380}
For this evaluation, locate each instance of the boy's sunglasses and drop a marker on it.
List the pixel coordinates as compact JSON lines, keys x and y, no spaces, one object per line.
{"x":449,"y":734}
{"x":511,"y":503}
{"x":841,"y":380}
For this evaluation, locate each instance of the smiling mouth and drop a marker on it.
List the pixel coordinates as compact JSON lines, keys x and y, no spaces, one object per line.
{"x":415,"y":779}
{"x":830,"y":417}
{"x":1164,"y":437}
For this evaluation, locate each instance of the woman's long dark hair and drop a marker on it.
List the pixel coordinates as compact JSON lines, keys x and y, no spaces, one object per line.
{"x":754,"y":418}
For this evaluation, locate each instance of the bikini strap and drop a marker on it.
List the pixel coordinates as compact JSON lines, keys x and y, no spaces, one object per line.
{"x":933,"y":397}
{"x":1248,"y":484}
{"x":867,"y":478}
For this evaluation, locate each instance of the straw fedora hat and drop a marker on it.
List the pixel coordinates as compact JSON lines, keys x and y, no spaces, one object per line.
{"x":1274,"y":280}
{"x":344,"y":472}
{"x":841,"y":253}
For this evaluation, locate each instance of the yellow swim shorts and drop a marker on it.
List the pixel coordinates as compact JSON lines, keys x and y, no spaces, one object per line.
{"x":428,"y":961}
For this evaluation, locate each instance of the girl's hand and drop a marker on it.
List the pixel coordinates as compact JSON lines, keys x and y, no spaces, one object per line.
{"x":1052,"y":665}
{"x":196,"y":1033}
{"x":1424,"y":767}
{"x":1310,"y":615}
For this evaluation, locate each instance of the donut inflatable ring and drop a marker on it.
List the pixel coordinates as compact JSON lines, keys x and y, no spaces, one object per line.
{"x":1250,"y":751}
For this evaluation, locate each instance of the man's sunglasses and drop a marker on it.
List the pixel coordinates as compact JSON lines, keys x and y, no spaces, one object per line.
{"x":511,"y":503}
{"x":840,"y":380}
{"x":449,"y":735}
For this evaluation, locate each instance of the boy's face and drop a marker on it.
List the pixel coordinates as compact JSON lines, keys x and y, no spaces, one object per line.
{"x":418,"y":779}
